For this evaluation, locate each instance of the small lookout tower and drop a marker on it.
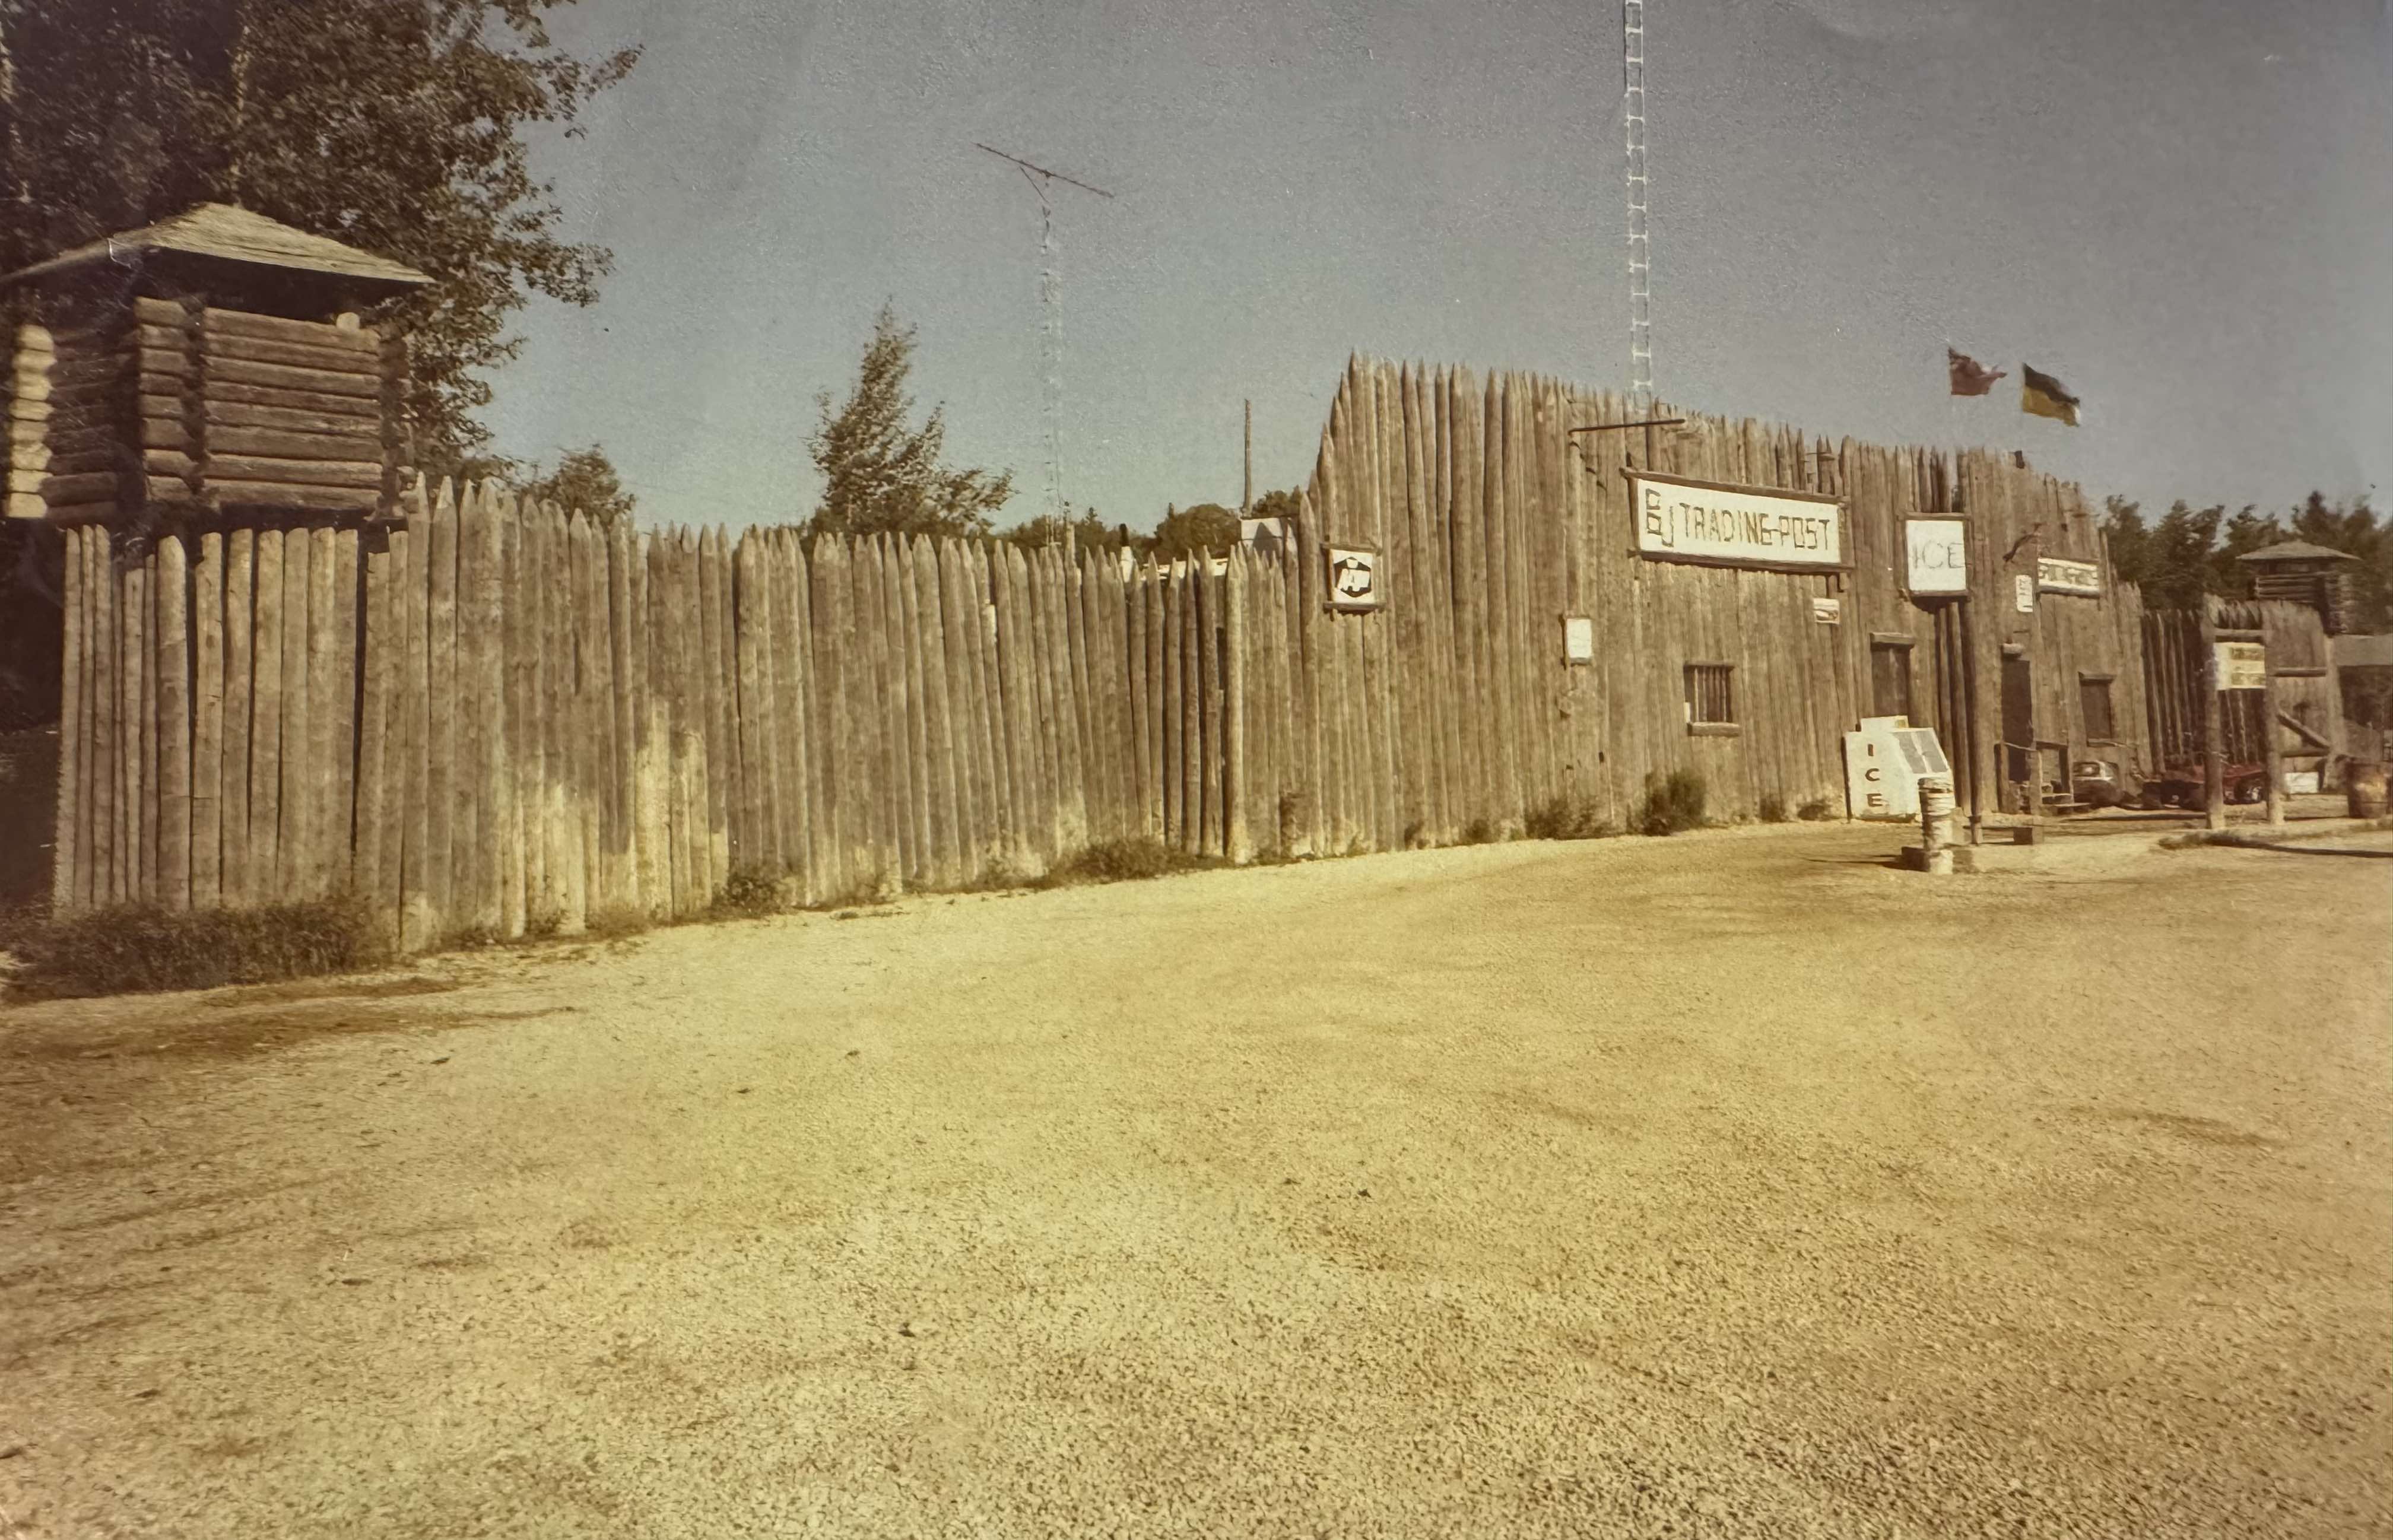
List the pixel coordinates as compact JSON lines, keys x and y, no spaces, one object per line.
{"x":2306,"y":574}
{"x":210,"y":363}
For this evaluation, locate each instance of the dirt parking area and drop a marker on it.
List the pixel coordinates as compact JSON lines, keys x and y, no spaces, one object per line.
{"x":1728,"y":1184}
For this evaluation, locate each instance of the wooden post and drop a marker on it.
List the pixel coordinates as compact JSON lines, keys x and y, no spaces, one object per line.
{"x":144,"y":611}
{"x":207,"y":725}
{"x":2213,"y":744}
{"x":441,"y":789}
{"x":490,"y":761}
{"x":519,"y":788}
{"x":232,"y":813}
{"x":174,"y":882}
{"x":335,"y":578}
{"x":331,"y":706}
{"x":2271,"y":747}
{"x":412,"y":782}
{"x":107,"y":700}
{"x":67,"y":844}
{"x":292,"y":849}
{"x":1240,"y":848}
{"x":264,"y":885}
{"x":381,"y":841}
{"x":1971,"y":708}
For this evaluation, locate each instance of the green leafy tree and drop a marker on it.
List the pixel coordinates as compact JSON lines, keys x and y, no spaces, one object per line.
{"x":2191,"y":552}
{"x":1208,"y":527}
{"x":396,"y":125}
{"x":585,"y":479}
{"x":878,"y":475}
{"x":1281,"y":504}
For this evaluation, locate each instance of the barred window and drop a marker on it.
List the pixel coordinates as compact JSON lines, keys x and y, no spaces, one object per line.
{"x":2094,"y":701}
{"x":1711,"y":702}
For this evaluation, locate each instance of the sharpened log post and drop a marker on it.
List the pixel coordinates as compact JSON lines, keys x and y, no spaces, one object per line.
{"x":2272,"y":747}
{"x":2213,"y":745}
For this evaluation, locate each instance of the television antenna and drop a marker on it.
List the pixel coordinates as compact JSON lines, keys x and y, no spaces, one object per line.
{"x":1051,"y":302}
{"x":1640,"y":265}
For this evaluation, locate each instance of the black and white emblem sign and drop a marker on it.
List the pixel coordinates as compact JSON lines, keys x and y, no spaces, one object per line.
{"x":1354,"y":577}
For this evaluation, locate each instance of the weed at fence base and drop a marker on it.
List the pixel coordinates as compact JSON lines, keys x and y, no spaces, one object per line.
{"x":1129,"y":860}
{"x":141,"y":948}
{"x":1812,"y":811}
{"x":1672,"y":803}
{"x":1774,"y":808}
{"x":1568,"y":817}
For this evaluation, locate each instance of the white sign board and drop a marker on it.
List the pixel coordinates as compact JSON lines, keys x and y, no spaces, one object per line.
{"x":1827,"y":611}
{"x":1578,"y":638}
{"x":1936,"y":555}
{"x":2242,"y":665}
{"x":1702,"y":521}
{"x":2023,"y":593}
{"x":1885,"y":762}
{"x":1354,"y":577}
{"x":2056,"y":576}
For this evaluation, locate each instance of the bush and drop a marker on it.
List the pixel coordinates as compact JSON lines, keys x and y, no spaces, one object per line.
{"x":1774,"y":808}
{"x":1125,"y":861}
{"x":141,"y":948}
{"x":748,"y":892}
{"x":1671,"y":803}
{"x":1814,"y":811}
{"x":1479,"y":831}
{"x":1568,"y":817}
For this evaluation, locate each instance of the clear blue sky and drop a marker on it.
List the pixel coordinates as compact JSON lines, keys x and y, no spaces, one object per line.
{"x":2183,"y":209}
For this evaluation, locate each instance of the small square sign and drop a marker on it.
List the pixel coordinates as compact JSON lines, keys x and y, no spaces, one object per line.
{"x":1354,"y":577}
{"x":1828,"y":612}
{"x":1578,"y":638}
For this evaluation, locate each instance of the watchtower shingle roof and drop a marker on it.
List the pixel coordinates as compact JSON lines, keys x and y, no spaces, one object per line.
{"x":230,"y":234}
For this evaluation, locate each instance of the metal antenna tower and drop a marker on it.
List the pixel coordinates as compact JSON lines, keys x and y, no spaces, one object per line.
{"x":1050,"y":301}
{"x":1640,"y":267}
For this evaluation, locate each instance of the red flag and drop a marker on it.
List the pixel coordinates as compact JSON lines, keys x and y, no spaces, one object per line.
{"x":1969,"y":376}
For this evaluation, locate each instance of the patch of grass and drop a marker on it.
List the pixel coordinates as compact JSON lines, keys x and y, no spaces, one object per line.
{"x":1126,"y":861}
{"x":1774,"y":808}
{"x":1815,"y":811}
{"x":1672,"y":803}
{"x":617,"y":921}
{"x":542,"y":925}
{"x":1568,"y":817}
{"x":1479,"y":831}
{"x":998,"y":876}
{"x":748,"y":892}
{"x":141,"y":948}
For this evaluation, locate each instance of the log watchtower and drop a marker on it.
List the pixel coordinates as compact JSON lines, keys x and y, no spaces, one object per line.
{"x":209,"y":364}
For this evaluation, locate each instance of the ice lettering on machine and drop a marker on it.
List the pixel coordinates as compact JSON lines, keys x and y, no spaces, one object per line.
{"x":1696,"y":522}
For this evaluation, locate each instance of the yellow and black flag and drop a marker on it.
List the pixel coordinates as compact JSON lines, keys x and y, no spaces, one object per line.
{"x":2045,"y":397}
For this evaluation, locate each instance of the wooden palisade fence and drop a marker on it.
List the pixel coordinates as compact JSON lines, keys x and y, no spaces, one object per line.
{"x":495,"y":717}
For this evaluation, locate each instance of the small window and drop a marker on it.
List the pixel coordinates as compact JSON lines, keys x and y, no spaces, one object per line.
{"x":1711,"y":702}
{"x":2094,"y":701}
{"x":1890,"y":677}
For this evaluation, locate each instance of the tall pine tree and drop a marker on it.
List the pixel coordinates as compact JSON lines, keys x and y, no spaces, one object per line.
{"x":880,"y":476}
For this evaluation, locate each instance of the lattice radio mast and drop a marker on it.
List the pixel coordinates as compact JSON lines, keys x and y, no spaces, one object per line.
{"x":1051,"y":302}
{"x":1640,"y":265}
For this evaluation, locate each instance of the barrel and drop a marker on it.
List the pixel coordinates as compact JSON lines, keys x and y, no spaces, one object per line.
{"x":2364,"y":790}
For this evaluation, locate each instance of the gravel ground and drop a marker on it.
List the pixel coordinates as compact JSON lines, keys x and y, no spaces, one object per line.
{"x":1730,"y":1184}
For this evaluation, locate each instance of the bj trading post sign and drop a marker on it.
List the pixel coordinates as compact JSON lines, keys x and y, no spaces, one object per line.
{"x":1719,"y":526}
